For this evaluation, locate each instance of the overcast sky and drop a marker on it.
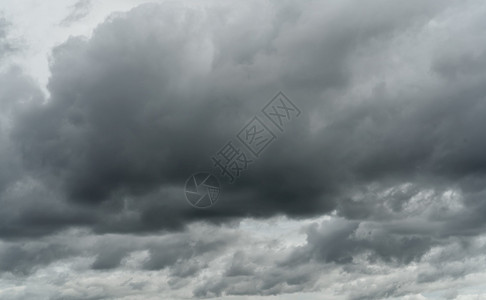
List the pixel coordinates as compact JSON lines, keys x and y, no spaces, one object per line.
{"x":374,"y":187}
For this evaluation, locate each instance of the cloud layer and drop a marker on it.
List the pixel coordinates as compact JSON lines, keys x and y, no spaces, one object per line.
{"x":388,"y":153}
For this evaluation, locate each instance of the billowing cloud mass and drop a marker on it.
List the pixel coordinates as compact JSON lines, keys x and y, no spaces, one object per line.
{"x":375,"y":191}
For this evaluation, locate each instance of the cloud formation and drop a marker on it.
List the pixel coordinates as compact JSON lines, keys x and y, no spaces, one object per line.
{"x":388,"y":152}
{"x":145,"y":102}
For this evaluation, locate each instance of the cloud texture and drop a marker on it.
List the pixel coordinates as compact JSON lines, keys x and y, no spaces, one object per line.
{"x":384,"y":169}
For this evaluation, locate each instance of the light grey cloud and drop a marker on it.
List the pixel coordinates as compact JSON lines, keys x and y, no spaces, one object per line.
{"x":7,"y":46}
{"x":79,"y":10}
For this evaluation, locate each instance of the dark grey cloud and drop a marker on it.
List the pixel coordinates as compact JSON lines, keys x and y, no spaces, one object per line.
{"x":22,"y":259}
{"x":150,"y":97}
{"x":340,"y":244}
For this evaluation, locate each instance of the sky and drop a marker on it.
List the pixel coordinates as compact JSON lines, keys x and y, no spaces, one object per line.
{"x":366,"y":181}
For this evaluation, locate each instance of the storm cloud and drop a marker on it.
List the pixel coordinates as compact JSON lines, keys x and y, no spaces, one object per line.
{"x":384,"y":168}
